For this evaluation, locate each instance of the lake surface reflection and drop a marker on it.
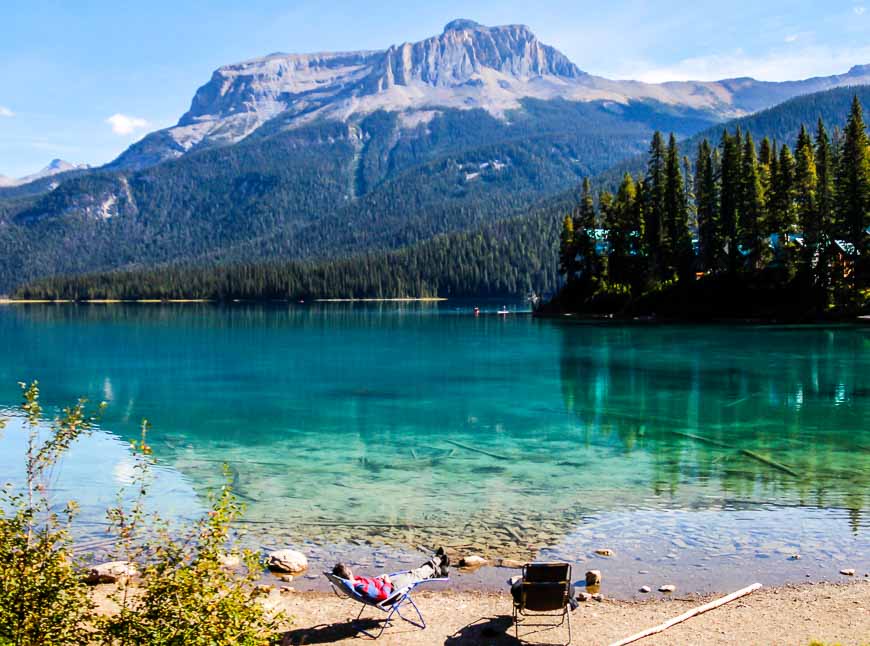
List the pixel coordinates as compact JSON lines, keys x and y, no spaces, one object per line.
{"x":701,"y":453}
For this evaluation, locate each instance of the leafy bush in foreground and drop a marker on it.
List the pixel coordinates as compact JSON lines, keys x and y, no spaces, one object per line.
{"x":43,"y":599}
{"x":185,"y":594}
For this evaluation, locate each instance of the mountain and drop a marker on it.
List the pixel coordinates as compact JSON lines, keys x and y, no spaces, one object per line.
{"x":324,"y":156}
{"x":468,"y":66}
{"x":55,"y":167}
{"x":506,"y":256}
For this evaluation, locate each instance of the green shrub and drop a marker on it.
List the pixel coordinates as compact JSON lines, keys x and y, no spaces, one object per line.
{"x":42,"y":597}
{"x":185,"y":595}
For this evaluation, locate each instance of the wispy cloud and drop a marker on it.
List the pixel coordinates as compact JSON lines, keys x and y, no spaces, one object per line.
{"x":859,"y":10}
{"x":6,"y":112}
{"x":792,"y":38}
{"x":784,"y":65}
{"x":123,"y":124}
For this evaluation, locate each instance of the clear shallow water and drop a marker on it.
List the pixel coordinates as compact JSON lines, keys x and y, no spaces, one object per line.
{"x":702,"y":454}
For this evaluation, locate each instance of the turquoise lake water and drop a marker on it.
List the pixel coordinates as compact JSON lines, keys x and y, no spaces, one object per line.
{"x":703,"y":455}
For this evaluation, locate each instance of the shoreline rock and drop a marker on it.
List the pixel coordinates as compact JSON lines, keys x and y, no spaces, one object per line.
{"x":110,"y":572}
{"x":287,"y":561}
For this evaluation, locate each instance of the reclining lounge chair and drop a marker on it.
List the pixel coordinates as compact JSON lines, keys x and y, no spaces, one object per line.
{"x":391,"y":605}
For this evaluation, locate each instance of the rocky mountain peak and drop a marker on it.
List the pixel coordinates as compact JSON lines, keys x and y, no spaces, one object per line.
{"x":467,"y":51}
{"x":461,"y":24}
{"x":467,"y":66}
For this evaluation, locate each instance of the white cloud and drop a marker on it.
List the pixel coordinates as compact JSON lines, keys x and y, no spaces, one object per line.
{"x":123,"y":124}
{"x":6,"y":112}
{"x":860,"y":10}
{"x":792,"y":38}
{"x":784,"y":65}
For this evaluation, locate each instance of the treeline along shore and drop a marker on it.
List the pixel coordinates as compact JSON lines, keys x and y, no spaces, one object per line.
{"x":508,"y":257}
{"x":747,"y":230}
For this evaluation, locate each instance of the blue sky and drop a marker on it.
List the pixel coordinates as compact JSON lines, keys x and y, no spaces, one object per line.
{"x":83,"y":79}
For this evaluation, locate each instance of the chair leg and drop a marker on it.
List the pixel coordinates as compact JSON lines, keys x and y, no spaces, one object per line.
{"x":383,"y":626}
{"x":408,"y":599}
{"x":568,"y":615}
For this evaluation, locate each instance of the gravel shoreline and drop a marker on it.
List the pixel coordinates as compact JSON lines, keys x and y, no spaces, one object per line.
{"x":793,"y":614}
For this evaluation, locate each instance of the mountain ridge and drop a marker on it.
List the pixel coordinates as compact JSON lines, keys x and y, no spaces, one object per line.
{"x":54,"y":167}
{"x":467,"y":66}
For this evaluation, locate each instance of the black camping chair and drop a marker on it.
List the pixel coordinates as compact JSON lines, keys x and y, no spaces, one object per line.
{"x":544,"y":592}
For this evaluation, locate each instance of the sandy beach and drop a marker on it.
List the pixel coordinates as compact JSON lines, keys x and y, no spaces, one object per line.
{"x":827,"y":613}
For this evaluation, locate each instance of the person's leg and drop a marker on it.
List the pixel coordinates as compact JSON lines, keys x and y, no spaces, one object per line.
{"x":425,"y":571}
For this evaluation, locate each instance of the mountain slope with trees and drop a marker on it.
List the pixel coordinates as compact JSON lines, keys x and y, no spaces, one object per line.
{"x":516,"y":255}
{"x":323,"y":191}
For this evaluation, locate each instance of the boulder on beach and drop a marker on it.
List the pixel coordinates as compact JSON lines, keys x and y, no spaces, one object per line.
{"x":110,"y":572}
{"x":472,"y":560}
{"x":667,"y":588}
{"x":289,"y":561}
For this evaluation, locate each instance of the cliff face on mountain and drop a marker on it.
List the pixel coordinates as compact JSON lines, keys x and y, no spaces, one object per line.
{"x":465,"y":67}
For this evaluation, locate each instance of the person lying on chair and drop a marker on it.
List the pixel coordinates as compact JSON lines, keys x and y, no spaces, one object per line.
{"x":380,"y":588}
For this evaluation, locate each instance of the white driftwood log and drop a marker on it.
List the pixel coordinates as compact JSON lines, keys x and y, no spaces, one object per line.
{"x":688,"y":615}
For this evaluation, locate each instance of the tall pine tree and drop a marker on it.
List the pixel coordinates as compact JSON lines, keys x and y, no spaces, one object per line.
{"x":805,"y":183}
{"x":707,"y":200}
{"x":730,"y":195}
{"x":823,"y":227}
{"x":853,"y":192}
{"x":584,"y":233}
{"x":678,"y":246}
{"x":654,"y":209}
{"x":751,"y":208}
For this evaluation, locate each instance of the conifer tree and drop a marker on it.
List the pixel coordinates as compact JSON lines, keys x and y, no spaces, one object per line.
{"x":730,"y":195}
{"x":621,"y":230}
{"x":606,"y":217}
{"x":584,"y":233}
{"x":709,"y":234}
{"x":654,"y":209}
{"x":751,"y":208}
{"x":689,"y":190}
{"x":766,"y":161}
{"x":678,"y":240}
{"x":639,"y":218}
{"x":805,"y":183}
{"x":567,"y":250}
{"x":853,"y":189}
{"x":824,"y":223}
{"x":783,"y":220}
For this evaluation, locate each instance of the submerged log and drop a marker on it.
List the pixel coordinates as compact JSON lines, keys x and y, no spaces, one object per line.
{"x":770,"y":463}
{"x":701,"y":438}
{"x":477,"y":450}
